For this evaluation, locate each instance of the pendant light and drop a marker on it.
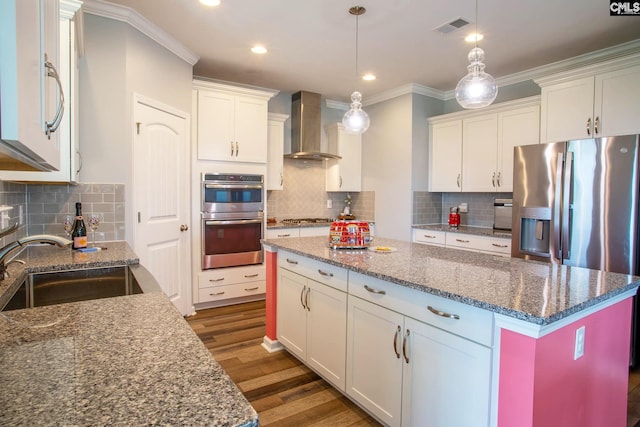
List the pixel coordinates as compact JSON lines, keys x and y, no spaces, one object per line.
{"x":356,"y":120}
{"x":477,"y":89}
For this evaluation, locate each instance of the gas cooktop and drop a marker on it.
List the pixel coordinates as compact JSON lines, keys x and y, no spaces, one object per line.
{"x":295,"y":221}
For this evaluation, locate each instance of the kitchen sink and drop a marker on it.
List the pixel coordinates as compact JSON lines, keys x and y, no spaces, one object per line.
{"x":59,"y":287}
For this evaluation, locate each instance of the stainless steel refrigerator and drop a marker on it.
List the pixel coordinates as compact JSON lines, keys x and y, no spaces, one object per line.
{"x":576,"y":203}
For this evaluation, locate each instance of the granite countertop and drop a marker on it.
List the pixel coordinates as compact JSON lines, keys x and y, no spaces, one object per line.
{"x":466,"y":229}
{"x":534,"y":292}
{"x":306,"y":224}
{"x":130,"y":360}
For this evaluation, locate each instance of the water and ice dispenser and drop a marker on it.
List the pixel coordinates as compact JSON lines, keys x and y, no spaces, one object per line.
{"x":535,"y":231}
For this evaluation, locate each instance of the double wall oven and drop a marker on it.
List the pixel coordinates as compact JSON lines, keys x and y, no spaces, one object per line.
{"x":232,"y":220}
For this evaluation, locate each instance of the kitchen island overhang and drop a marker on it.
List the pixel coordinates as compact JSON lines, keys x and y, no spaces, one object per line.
{"x":537,"y":309}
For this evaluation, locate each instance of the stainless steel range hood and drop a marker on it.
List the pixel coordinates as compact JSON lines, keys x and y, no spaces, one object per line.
{"x":306,"y":127}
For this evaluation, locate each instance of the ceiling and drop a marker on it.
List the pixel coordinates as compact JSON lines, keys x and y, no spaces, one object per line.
{"x":311,"y":43}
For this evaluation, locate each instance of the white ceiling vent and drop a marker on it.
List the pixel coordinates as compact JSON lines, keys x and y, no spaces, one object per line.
{"x":456,"y":24}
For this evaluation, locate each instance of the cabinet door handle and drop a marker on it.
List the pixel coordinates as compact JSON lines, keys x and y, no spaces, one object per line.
{"x":306,"y":299}
{"x":375,"y":291}
{"x":249,"y":276}
{"x":404,"y":346}
{"x":304,"y":307}
{"x":322,"y":273}
{"x":292,"y":261}
{"x":281,"y":179}
{"x":596,"y":125}
{"x":231,"y":148}
{"x":251,"y":289}
{"x":498,"y":180}
{"x":52,"y":126}
{"x":217,"y":280}
{"x":462,"y":241}
{"x":340,"y":181}
{"x":395,"y":342}
{"x":499,"y":246}
{"x":589,"y":126}
{"x":442,"y":313}
{"x":217,"y":293}
{"x":458,"y":180}
{"x":493,"y":180}
{"x":237,"y":148}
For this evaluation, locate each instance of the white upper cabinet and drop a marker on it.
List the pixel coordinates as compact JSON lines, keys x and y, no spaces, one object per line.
{"x":343,"y":174}
{"x":592,"y":102}
{"x":232,"y":122}
{"x":275,"y":147}
{"x":473,"y":151}
{"x":69,"y":151}
{"x":445,"y":165}
{"x":31,"y":104}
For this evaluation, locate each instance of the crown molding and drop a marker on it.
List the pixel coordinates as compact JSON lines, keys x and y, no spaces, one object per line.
{"x":68,"y":8}
{"x":338,"y":105}
{"x":233,"y":88}
{"x":126,"y":14}
{"x":404,"y":90}
{"x":277,"y":117}
{"x":531,"y":101}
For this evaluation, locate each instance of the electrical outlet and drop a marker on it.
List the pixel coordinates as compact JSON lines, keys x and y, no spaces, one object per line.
{"x":463,"y":208}
{"x":329,"y":204}
{"x":578,"y":351}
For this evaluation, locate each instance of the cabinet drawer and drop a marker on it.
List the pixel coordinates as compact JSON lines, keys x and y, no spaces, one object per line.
{"x":315,"y":231}
{"x":464,"y":320}
{"x":322,"y":272}
{"x":225,"y":276}
{"x":429,"y":237}
{"x":279,"y":233}
{"x":232,"y":291}
{"x":479,"y":243}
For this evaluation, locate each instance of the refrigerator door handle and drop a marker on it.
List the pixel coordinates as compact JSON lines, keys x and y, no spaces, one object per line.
{"x":566,"y":199}
{"x":557,"y":250}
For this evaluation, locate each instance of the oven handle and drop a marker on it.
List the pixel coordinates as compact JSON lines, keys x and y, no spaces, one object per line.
{"x":233,"y":222}
{"x":233,"y":186}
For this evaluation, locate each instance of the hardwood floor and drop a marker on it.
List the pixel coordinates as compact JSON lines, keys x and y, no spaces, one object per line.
{"x":283,"y":391}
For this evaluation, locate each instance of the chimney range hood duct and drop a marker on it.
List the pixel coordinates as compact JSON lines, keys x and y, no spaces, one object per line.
{"x":306,"y":127}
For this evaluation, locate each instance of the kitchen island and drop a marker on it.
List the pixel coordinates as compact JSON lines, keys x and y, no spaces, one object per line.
{"x":130,"y":360}
{"x":552,"y":341}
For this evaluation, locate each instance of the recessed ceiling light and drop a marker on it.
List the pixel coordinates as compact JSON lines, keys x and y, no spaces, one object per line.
{"x":259,"y":49}
{"x":368,"y":77}
{"x":210,"y":2}
{"x":473,"y":37}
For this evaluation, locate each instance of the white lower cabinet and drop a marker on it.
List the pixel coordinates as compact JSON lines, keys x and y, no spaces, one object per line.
{"x":222,"y":284}
{"x":471,"y":242}
{"x":311,"y":318}
{"x":409,"y":372}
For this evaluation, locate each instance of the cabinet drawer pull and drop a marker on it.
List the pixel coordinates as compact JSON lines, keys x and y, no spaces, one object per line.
{"x":322,"y":273}
{"x":404,"y":346}
{"x":499,"y":246}
{"x":251,"y":289}
{"x":284,"y":235}
{"x":375,"y":291}
{"x":292,"y":261}
{"x":462,"y":241}
{"x":217,"y":293}
{"x":395,"y":342}
{"x":429,"y":236}
{"x":442,"y":313}
{"x":217,"y":280}
{"x":248,"y":276}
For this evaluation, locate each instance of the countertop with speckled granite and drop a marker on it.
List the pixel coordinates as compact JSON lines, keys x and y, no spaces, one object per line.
{"x":531,"y":291}
{"x":466,"y":229}
{"x":130,"y":360}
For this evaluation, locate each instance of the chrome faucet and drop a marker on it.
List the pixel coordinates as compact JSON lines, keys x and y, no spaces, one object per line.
{"x":36,"y":238}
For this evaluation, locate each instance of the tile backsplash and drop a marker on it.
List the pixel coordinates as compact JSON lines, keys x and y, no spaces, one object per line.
{"x":45,"y":205}
{"x":434,"y":207}
{"x":304,"y":195}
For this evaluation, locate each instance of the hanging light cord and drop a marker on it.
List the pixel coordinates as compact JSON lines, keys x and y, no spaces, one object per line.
{"x":357,"y":17}
{"x":476,"y":36}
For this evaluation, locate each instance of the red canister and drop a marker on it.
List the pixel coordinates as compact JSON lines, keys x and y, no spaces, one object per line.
{"x":454,"y":217}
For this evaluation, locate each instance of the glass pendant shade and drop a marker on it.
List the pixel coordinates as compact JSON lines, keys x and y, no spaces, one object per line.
{"x":356,"y":120}
{"x":477,"y":89}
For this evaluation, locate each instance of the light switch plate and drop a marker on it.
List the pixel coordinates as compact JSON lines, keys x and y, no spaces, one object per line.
{"x":578,"y":351}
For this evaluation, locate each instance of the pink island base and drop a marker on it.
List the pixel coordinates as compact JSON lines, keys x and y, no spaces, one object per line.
{"x":541,"y":385}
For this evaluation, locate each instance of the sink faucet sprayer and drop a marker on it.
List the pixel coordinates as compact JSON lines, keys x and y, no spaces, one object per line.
{"x":36,"y":238}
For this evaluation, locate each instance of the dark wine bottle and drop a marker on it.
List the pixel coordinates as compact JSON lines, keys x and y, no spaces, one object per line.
{"x":79,"y":231}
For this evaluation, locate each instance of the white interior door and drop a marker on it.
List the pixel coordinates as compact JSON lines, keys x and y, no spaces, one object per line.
{"x":162,"y":203}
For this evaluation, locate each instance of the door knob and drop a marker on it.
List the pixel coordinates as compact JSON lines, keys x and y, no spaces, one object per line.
{"x":184,"y":227}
